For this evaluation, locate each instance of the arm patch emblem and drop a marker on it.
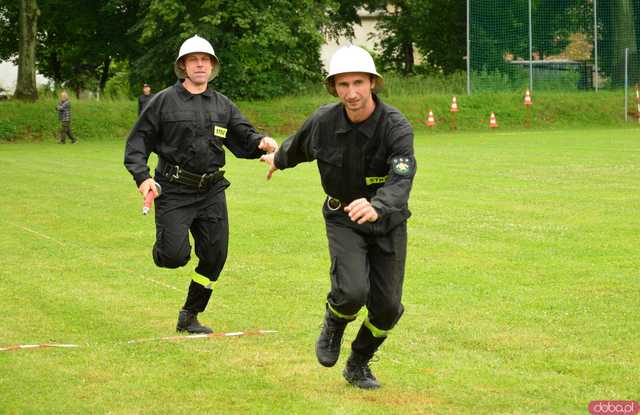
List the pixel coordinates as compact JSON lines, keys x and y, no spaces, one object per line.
{"x":402,"y":166}
{"x":220,"y":132}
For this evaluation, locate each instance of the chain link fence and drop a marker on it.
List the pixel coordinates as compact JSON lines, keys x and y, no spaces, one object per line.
{"x":560,"y":45}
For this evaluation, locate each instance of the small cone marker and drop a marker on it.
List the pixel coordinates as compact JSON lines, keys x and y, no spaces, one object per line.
{"x":454,"y":105}
{"x":454,"y":110}
{"x":431,"y":121}
{"x":527,"y":104}
{"x":493,"y":123}
{"x":638,"y":102}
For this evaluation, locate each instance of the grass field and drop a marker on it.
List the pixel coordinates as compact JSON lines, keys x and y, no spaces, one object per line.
{"x":521,"y":291}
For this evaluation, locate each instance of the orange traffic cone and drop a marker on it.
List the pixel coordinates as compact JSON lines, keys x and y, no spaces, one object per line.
{"x":638,"y":102}
{"x":493,"y":123}
{"x":431,"y":121}
{"x":527,"y":98}
{"x":454,"y":105}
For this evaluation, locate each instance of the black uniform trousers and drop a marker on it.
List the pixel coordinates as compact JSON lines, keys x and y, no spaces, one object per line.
{"x":204,"y":214}
{"x":367,"y":269}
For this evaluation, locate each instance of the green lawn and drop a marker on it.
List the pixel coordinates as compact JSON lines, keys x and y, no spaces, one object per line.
{"x":521,"y":290}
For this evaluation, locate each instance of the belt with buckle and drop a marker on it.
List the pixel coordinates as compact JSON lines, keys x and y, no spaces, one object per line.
{"x":177,"y":174}
{"x":333,"y":203}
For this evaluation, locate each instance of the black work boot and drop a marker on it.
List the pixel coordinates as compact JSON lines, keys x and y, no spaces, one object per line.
{"x":188,"y":321}
{"x":358,"y":373}
{"x":330,"y":340}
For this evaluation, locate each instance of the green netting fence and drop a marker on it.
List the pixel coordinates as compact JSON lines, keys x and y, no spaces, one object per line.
{"x":552,"y":44}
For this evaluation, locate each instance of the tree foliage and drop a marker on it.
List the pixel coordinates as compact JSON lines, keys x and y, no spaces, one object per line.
{"x":435,"y":28}
{"x":620,"y":20}
{"x":441,"y":36}
{"x":397,"y":33}
{"x":77,"y":39}
{"x":266,"y":48}
{"x":81,"y":39}
{"x":9,"y":29}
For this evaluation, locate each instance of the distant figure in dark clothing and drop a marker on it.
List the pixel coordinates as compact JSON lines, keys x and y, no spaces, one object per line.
{"x":64,"y":115}
{"x":144,"y":99}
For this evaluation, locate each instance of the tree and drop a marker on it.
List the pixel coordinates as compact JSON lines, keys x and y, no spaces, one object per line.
{"x":266,"y":48}
{"x":341,"y":15}
{"x":498,"y":29}
{"x":435,"y":28}
{"x":619,"y":19}
{"x":397,"y":33}
{"x":77,"y":40}
{"x":441,"y":34}
{"x":9,"y":29}
{"x":26,"y":85}
{"x":81,"y":39}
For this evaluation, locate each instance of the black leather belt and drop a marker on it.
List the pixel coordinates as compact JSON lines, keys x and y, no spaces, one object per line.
{"x":177,"y":174}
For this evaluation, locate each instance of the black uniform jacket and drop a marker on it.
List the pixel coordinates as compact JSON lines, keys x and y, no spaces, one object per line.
{"x":143,"y":100}
{"x":189,"y":131}
{"x":373,"y":159}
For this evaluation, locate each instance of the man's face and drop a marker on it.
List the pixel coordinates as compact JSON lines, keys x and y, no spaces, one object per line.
{"x":146,"y":90}
{"x":198,"y":67}
{"x":354,"y":89}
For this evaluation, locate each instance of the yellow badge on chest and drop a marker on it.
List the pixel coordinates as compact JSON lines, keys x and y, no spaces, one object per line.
{"x":219,"y":131}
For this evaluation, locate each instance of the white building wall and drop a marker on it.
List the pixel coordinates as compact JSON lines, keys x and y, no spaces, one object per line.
{"x":365,"y":37}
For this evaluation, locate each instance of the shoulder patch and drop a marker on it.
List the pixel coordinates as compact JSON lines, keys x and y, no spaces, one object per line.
{"x":402,"y":166}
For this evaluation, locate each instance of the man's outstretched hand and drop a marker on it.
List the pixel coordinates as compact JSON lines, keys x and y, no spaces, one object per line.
{"x":269,"y":159}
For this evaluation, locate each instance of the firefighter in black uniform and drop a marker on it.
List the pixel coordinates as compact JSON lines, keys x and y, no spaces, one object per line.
{"x":364,"y":151}
{"x":144,"y":99}
{"x":187,"y":125}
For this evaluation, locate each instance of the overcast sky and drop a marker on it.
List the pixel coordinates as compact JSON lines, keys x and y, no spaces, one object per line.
{"x":9,"y":76}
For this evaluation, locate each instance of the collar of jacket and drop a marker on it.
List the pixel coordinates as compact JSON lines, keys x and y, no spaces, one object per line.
{"x":367,"y":127}
{"x":186,"y":95}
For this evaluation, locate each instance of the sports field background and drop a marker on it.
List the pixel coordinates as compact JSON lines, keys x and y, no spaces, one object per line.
{"x":521,"y":290}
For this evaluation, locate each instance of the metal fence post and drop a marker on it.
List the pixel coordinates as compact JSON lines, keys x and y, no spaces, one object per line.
{"x":626,"y":84}
{"x":595,"y":76}
{"x":468,"y":49}
{"x":530,"y":51}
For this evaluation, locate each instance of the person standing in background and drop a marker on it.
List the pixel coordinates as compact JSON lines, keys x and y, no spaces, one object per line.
{"x":144,"y":99}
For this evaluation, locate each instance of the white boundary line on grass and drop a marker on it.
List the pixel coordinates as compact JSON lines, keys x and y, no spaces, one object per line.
{"x":42,"y":235}
{"x":204,"y":336}
{"x":37,"y":346}
{"x":37,"y":233}
{"x":137,"y":341}
{"x":171,"y":287}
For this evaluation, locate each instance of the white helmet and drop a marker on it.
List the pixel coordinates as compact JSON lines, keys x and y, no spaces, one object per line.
{"x":192,"y":45}
{"x":351,"y":58}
